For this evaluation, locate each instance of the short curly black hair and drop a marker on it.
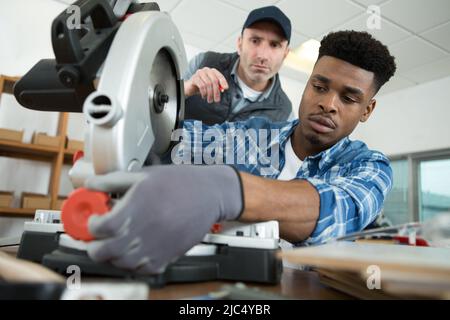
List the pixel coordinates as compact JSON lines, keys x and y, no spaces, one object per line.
{"x":362,"y":50}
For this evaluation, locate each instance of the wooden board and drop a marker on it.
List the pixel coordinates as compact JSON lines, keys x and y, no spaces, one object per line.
{"x":405,"y":271}
{"x":17,"y":212}
{"x":357,"y":257}
{"x":351,"y":284}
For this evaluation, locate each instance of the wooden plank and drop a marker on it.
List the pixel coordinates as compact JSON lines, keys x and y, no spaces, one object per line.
{"x":68,"y":156}
{"x":357,"y":257}
{"x":17,"y":212}
{"x":1,"y":86}
{"x":8,"y":84}
{"x":352,"y":284}
{"x":11,"y":78}
{"x":58,"y":162}
{"x":26,"y":151}
{"x":22,"y":271}
{"x":29,"y":157}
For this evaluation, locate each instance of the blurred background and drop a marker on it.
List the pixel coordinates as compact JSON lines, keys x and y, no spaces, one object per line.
{"x":410,"y":123}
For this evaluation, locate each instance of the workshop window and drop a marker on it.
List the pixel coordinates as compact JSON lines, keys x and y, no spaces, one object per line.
{"x":396,"y":208}
{"x":434,"y":188}
{"x":421,"y":187}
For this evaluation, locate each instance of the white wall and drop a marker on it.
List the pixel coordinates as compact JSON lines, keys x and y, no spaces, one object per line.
{"x":411,"y":120}
{"x":24,"y":40}
{"x":294,"y":90}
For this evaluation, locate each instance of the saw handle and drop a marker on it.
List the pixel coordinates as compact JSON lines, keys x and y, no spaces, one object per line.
{"x":68,"y":45}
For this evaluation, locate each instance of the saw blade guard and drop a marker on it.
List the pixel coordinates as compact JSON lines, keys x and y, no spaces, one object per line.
{"x":140,"y":96}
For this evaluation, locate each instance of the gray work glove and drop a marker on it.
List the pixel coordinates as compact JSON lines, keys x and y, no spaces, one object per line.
{"x":166,"y":212}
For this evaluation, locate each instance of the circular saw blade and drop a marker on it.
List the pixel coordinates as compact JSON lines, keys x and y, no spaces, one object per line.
{"x":163,"y":100}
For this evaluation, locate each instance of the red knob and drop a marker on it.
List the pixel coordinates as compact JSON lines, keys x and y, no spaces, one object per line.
{"x":216,"y":228}
{"x":79,"y":206}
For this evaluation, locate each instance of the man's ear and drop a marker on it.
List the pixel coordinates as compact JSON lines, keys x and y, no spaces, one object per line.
{"x":369,"y":109}
{"x":239,"y":45}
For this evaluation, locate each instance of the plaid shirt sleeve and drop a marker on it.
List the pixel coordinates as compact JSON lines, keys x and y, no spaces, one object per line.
{"x":350,"y":202}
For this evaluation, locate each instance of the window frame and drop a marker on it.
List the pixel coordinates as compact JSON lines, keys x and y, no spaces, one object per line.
{"x":414,"y":159}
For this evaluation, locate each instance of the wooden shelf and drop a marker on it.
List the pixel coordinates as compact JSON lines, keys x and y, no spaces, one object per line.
{"x":68,"y":156}
{"x":27,"y":151}
{"x":57,"y":156}
{"x":17,"y":212}
{"x":8,"y":84}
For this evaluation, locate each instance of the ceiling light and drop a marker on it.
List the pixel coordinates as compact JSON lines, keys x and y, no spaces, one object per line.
{"x":304,"y":57}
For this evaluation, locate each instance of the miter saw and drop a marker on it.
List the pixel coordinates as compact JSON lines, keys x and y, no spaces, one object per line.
{"x":123,"y":69}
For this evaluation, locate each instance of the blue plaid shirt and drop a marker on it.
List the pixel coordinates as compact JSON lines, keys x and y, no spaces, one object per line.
{"x":352,"y":180}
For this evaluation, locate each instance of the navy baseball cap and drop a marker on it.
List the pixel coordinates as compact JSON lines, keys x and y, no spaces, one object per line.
{"x":270,"y":13}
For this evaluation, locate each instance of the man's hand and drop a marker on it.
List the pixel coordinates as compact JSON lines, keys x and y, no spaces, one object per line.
{"x":208,"y":82}
{"x":167,"y":211}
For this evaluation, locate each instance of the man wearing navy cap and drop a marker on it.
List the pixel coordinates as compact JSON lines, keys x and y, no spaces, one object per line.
{"x":222,"y":87}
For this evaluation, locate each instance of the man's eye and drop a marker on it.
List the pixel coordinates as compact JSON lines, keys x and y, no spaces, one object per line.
{"x":349,"y":99}
{"x":319,"y":88}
